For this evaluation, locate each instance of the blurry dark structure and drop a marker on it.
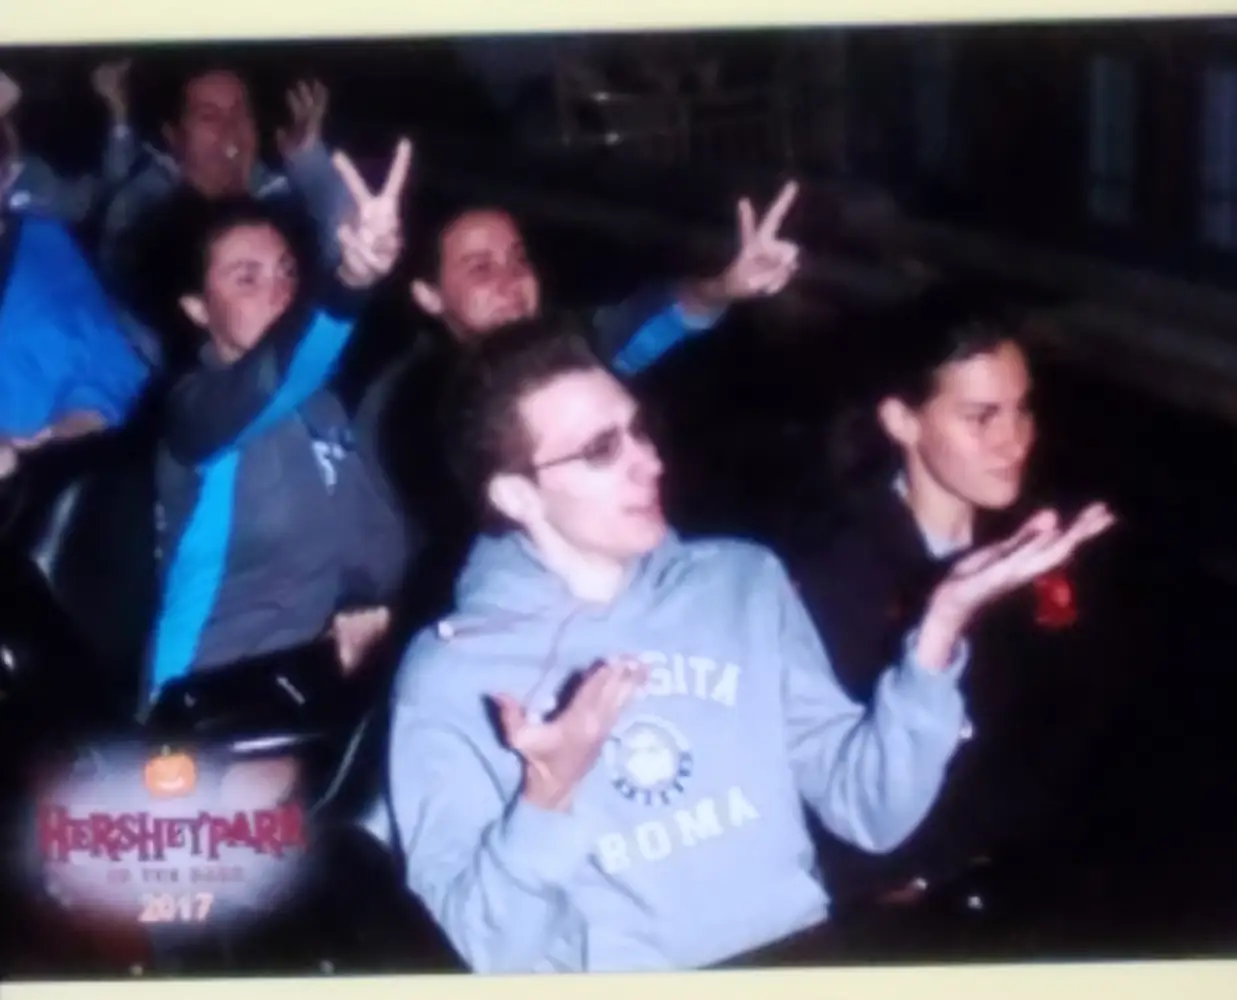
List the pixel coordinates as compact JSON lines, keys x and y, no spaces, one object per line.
{"x":1114,"y":139}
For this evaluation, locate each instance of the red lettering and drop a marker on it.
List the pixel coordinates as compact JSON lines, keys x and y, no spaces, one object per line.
{"x":102,"y":839}
{"x":195,"y":827}
{"x":129,"y":831}
{"x":241,"y":834}
{"x":219,"y":835}
{"x":266,"y":832}
{"x":54,"y":837}
{"x":146,"y":836}
{"x":292,"y":826}
{"x":79,"y":834}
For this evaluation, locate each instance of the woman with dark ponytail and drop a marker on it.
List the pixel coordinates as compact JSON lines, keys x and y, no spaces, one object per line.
{"x":931,"y":462}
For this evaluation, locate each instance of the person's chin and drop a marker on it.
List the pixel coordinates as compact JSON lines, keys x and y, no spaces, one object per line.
{"x":1001,"y":496}
{"x":500,"y":321}
{"x":648,"y":532}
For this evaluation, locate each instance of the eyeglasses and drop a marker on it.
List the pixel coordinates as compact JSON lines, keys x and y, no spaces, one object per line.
{"x":604,"y":448}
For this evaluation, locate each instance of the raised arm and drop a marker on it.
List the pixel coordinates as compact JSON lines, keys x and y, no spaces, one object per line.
{"x":72,"y":199}
{"x":869,"y":773}
{"x":872,"y":774}
{"x":215,"y":407}
{"x":637,"y":333}
{"x":120,"y":152}
{"x":309,"y":168}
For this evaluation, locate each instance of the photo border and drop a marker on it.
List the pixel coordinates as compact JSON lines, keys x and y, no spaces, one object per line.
{"x":80,"y":22}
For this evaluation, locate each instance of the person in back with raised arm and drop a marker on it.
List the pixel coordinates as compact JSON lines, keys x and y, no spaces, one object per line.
{"x":213,"y":151}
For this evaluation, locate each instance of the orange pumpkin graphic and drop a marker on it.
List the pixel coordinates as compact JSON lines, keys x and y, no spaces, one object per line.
{"x":170,"y":774}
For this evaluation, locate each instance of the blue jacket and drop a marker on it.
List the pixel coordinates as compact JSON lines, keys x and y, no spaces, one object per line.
{"x":61,"y":344}
{"x":272,"y":514}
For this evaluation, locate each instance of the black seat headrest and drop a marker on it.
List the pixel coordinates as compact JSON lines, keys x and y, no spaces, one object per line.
{"x":88,"y":529}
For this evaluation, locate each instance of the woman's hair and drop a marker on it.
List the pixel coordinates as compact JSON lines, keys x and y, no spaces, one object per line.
{"x":427,"y":216}
{"x":205,"y":221}
{"x":903,"y":359}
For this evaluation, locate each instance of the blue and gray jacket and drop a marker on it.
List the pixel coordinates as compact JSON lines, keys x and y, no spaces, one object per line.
{"x":273,"y":515}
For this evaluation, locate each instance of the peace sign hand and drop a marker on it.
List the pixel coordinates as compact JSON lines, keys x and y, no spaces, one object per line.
{"x":1040,"y":545}
{"x":765,"y":262}
{"x":371,"y":241}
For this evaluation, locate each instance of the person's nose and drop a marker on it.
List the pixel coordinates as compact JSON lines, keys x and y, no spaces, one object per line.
{"x":646,"y":464}
{"x":281,"y":290}
{"x":512,"y":283}
{"x":1015,"y":437}
{"x":232,"y":130}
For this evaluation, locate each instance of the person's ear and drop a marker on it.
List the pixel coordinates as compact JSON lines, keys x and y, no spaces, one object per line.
{"x":195,"y":308}
{"x":515,"y":497}
{"x":427,"y":297}
{"x":899,"y":421}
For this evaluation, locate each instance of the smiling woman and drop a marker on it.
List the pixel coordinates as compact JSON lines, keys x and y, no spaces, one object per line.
{"x":934,"y":460}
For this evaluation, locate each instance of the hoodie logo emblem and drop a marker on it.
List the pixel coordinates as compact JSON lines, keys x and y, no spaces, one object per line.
{"x":649,"y":761}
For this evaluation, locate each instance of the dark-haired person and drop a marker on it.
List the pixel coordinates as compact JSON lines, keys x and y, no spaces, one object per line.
{"x":473,"y":274}
{"x":599,"y":758}
{"x":934,"y":461}
{"x":276,"y":525}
